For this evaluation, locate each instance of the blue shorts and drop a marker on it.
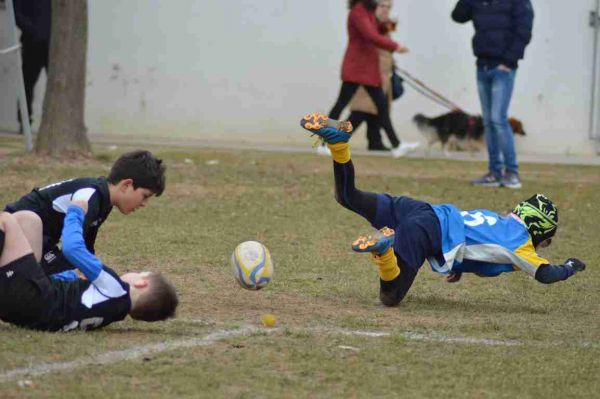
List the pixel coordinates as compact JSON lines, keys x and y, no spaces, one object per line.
{"x":418,"y":232}
{"x":482,"y":269}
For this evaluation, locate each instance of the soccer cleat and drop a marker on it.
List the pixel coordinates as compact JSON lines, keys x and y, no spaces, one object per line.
{"x":378,"y":241}
{"x":329,"y":130}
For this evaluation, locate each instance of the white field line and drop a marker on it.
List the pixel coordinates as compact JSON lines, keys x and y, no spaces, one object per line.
{"x":414,"y":336}
{"x":212,"y":338}
{"x":125,"y":354}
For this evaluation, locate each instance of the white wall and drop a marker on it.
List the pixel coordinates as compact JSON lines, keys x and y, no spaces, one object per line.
{"x":248,"y":70}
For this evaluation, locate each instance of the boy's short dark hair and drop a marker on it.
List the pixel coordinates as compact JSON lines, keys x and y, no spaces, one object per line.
{"x":143,"y":168}
{"x":158,"y":303}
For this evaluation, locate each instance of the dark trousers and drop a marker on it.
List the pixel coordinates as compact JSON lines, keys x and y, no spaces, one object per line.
{"x":365,"y":204}
{"x":34,"y":55}
{"x":378,"y":96}
{"x":373,"y":128}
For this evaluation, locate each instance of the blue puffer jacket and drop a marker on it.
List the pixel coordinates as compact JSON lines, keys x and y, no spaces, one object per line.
{"x":502,"y":29}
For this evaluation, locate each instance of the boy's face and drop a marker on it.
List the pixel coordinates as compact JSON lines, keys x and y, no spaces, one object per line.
{"x":136,"y":279}
{"x":545,"y":244}
{"x":138,"y":283}
{"x":132,"y":198}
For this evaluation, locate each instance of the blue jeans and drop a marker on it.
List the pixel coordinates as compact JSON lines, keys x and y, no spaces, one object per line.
{"x":495,"y":91}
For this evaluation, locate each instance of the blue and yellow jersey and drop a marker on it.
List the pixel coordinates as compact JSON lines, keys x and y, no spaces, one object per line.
{"x":483,"y":242}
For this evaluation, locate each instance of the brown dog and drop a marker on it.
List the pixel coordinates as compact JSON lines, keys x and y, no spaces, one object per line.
{"x":457,"y":130}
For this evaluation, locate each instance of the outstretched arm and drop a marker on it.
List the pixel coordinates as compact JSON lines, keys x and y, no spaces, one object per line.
{"x":548,"y":274}
{"x":107,"y":286}
{"x":74,"y":247}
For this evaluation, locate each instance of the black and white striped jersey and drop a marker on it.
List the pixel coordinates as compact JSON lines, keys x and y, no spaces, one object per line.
{"x":51,"y":203}
{"x":83,"y":305}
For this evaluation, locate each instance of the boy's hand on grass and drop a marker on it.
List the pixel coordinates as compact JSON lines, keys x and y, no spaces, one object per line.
{"x":453,"y":277}
{"x":576,"y":264}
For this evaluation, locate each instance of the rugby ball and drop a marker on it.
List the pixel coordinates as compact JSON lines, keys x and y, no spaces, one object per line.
{"x":252,"y":265}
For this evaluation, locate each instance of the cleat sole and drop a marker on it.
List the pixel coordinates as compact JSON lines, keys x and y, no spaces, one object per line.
{"x":367,"y":242}
{"x":317,"y":121}
{"x":314,"y":121}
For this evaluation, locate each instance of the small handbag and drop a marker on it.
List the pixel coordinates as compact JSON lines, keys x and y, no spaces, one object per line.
{"x":397,"y":85}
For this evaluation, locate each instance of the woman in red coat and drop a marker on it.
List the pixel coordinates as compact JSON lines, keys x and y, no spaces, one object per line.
{"x":361,"y":67}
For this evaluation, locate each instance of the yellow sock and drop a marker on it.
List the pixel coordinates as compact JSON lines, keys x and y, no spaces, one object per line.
{"x":387,"y":264}
{"x":340,"y":152}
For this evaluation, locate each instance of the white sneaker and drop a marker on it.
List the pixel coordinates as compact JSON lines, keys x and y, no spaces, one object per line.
{"x":404,"y":148}
{"x":323,"y":150}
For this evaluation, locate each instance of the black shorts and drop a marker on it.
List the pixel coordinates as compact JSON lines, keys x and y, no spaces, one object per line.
{"x":25,"y":291}
{"x":418,"y":232}
{"x":53,"y":261}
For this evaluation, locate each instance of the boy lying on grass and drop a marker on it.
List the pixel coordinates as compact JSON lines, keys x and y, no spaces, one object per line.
{"x":31,"y":299}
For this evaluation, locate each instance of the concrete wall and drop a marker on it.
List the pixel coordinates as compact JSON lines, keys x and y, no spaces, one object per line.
{"x":247,"y":70}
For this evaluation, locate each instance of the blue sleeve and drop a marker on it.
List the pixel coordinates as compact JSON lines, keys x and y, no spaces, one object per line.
{"x":548,"y":274}
{"x":462,"y":12}
{"x":68,"y":275}
{"x":73,"y":244}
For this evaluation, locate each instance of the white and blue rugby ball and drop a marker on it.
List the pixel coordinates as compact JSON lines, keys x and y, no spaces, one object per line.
{"x":252,"y":265}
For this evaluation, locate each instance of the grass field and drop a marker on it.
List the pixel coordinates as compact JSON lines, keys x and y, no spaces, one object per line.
{"x":504,"y":337}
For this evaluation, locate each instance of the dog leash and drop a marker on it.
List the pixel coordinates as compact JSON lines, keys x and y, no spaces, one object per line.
{"x":428,"y":92}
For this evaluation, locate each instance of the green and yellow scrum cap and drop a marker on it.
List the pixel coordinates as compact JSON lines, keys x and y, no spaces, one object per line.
{"x":540,"y":216}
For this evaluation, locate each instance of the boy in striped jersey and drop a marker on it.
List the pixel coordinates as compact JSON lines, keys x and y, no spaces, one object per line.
{"x":452,"y":241}
{"x":134,"y":178}
{"x":30,"y":299}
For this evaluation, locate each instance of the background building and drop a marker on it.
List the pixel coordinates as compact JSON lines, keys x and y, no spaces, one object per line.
{"x":248,"y":70}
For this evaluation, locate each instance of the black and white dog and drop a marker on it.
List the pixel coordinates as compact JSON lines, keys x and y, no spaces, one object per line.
{"x":457,"y":130}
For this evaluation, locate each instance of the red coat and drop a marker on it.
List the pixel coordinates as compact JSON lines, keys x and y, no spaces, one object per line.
{"x":361,"y":61}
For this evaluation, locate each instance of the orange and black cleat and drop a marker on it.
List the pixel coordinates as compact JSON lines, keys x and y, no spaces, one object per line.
{"x":330,"y":130}
{"x":378,"y":241}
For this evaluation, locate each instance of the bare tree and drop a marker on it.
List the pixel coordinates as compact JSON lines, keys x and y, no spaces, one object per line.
{"x":63,"y":131}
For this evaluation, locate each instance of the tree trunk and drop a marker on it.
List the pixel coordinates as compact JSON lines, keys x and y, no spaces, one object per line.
{"x":62,"y":131}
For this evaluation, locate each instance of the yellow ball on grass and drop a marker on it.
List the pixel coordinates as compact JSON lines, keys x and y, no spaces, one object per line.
{"x":268,"y":320}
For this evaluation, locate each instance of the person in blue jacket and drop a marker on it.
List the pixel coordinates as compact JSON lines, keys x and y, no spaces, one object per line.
{"x":502,"y":31}
{"x":453,"y":241}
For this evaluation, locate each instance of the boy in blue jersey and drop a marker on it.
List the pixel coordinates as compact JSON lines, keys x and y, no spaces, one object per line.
{"x":30,"y":299}
{"x":452,"y":241}
{"x":134,"y":178}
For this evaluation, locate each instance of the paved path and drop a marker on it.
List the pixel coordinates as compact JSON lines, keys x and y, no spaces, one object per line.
{"x":227,"y":144}
{"x":269,"y":147}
